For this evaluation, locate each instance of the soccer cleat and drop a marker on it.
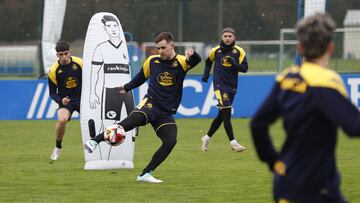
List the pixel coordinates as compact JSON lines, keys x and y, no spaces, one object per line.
{"x":237,"y":147}
{"x":90,"y":146}
{"x":205,"y":143}
{"x":56,"y":153}
{"x":147,"y":177}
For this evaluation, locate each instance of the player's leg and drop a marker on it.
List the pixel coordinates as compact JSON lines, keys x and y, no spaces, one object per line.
{"x":63,"y":117}
{"x":215,"y":124}
{"x":135,"y":119}
{"x":226,"y":113}
{"x":167,"y":133}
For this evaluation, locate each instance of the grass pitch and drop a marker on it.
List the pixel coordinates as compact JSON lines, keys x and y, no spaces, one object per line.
{"x":189,"y":175}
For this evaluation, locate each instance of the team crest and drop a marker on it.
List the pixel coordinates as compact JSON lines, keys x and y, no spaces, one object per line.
{"x":74,"y":67}
{"x":175,"y":64}
{"x":166,"y":79}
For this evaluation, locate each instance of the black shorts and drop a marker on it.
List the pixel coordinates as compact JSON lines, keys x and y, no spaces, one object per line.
{"x":225,"y":98}
{"x":114,"y":102}
{"x":155,"y":115}
{"x":71,"y":107}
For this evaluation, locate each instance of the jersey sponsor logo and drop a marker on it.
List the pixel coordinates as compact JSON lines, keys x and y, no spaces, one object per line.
{"x":71,"y":82}
{"x":225,"y":61}
{"x":166,"y":79}
{"x":116,"y":68}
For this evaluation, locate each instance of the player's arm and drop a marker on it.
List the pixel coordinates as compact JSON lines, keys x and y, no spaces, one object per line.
{"x":260,"y":123}
{"x":52,"y":82}
{"x":339,"y":110}
{"x":138,"y":80}
{"x":192,"y":58}
{"x":208,"y":64}
{"x":53,"y":92}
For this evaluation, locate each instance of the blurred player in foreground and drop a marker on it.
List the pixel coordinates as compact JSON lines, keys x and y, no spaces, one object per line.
{"x":229,"y":60}
{"x":313,"y":103}
{"x":166,"y":73}
{"x":65,"y":89}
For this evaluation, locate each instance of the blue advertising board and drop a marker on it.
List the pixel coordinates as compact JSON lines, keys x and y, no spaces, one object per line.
{"x":29,"y":99}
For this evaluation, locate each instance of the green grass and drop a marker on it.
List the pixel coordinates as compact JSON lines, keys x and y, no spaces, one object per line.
{"x":189,"y":175}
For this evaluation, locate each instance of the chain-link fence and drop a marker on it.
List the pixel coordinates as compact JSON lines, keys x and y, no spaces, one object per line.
{"x":197,"y":21}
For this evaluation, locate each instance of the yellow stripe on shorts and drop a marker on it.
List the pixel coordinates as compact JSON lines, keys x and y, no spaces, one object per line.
{"x":218,"y":97}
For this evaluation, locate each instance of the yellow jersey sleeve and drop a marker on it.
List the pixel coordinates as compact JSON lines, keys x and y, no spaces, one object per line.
{"x":52,"y":72}
{"x":317,"y":76}
{"x":146,"y":65}
{"x":212,"y":53}
{"x":78,"y":61}
{"x":183,"y":62}
{"x":242,"y":54}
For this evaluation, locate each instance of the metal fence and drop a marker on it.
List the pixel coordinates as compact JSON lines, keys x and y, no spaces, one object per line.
{"x":189,"y":20}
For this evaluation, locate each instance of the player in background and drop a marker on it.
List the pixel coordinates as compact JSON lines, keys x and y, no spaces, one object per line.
{"x":229,"y":60}
{"x":166,"y":73}
{"x":312,"y":101}
{"x":64,"y":78}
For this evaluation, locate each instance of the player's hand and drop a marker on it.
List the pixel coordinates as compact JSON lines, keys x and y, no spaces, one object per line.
{"x":204,"y":79}
{"x":94,"y":101}
{"x":231,"y":60}
{"x":65,"y":100}
{"x":189,"y":53}
{"x":122,"y":89}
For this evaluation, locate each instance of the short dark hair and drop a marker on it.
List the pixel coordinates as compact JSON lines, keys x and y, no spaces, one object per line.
{"x":315,"y":33}
{"x":167,"y":36}
{"x":229,"y":29}
{"x":107,"y":18}
{"x":62,"y":46}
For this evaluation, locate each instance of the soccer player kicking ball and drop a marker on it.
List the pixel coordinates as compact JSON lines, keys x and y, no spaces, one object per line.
{"x":313,"y":103}
{"x":166,"y":73}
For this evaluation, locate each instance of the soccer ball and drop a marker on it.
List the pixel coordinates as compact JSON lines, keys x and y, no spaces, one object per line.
{"x":114,"y":135}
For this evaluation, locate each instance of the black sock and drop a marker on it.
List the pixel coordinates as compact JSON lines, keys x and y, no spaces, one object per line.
{"x":227,"y":123}
{"x":167,"y":134}
{"x":99,"y":138}
{"x":58,"y":144}
{"x":215,"y":124}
